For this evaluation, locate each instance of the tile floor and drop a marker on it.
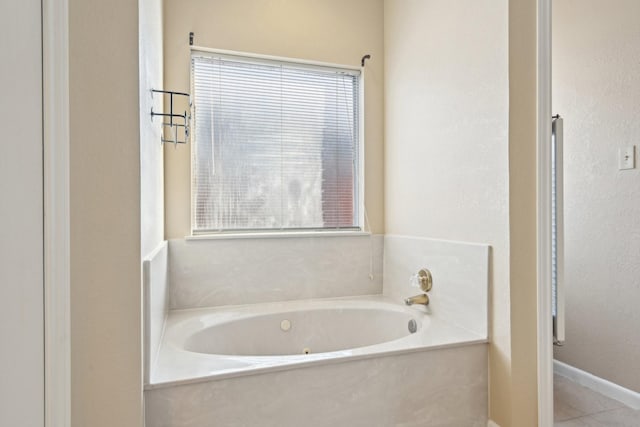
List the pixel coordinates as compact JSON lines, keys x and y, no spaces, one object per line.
{"x":578,"y":406}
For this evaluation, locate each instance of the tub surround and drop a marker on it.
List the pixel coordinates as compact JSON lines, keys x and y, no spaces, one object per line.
{"x":156,"y":303}
{"x":209,"y":273}
{"x":221,"y":272}
{"x":460,"y":273}
{"x":447,"y":388}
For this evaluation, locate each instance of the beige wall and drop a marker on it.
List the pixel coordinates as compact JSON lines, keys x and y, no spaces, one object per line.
{"x":596,"y":87}
{"x":523,"y":104}
{"x":446,"y":142}
{"x":106,"y":361}
{"x":337,"y":31}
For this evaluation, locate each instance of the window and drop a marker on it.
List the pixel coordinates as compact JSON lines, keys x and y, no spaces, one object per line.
{"x":275,"y":145}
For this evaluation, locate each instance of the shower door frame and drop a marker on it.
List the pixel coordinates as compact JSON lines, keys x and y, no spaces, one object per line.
{"x":544,"y":197}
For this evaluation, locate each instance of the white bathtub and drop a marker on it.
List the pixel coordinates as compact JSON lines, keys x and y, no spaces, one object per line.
{"x":205,"y":344}
{"x":236,"y":366}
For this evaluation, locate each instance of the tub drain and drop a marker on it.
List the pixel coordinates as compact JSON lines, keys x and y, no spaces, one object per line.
{"x":306,"y":350}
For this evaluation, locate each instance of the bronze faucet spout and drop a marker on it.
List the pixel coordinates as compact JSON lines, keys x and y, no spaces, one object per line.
{"x":422,"y":299}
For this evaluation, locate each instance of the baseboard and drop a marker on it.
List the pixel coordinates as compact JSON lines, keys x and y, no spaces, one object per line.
{"x":492,"y":424}
{"x":602,"y":386}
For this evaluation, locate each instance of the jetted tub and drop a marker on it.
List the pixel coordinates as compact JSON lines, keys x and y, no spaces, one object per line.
{"x":214,"y":343}
{"x":332,"y":362}
{"x":350,"y":361}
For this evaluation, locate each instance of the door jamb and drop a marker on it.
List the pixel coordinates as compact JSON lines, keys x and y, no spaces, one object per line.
{"x":55,"y":109}
{"x":545,"y":332}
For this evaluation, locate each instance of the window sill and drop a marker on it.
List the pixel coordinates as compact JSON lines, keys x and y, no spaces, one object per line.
{"x":277,"y":235}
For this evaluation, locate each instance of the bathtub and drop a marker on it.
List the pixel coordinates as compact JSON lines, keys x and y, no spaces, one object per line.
{"x":330,"y":357}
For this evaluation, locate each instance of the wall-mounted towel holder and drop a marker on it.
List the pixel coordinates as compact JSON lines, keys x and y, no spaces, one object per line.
{"x":175,"y":120}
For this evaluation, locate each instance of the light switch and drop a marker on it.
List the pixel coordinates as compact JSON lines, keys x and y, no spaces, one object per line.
{"x":627,"y":157}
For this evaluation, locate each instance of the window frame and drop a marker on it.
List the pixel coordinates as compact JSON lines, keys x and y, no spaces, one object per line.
{"x":359,"y":202}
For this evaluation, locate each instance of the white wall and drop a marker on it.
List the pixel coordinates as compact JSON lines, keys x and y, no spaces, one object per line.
{"x":21,"y":233}
{"x":446,"y":142}
{"x":151,"y":150}
{"x":596,"y":85}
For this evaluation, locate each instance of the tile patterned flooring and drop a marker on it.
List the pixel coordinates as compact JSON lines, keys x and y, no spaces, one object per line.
{"x":578,"y":406}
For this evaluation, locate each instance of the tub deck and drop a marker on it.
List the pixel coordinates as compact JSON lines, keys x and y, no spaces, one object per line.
{"x":177,"y":366}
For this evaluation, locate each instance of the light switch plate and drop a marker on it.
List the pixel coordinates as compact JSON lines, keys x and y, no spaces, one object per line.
{"x":627,"y":157}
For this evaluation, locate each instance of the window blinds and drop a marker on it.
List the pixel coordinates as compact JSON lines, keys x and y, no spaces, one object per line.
{"x":275,"y":145}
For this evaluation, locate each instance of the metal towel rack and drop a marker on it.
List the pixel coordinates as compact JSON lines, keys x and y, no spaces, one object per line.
{"x":175,"y":120}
